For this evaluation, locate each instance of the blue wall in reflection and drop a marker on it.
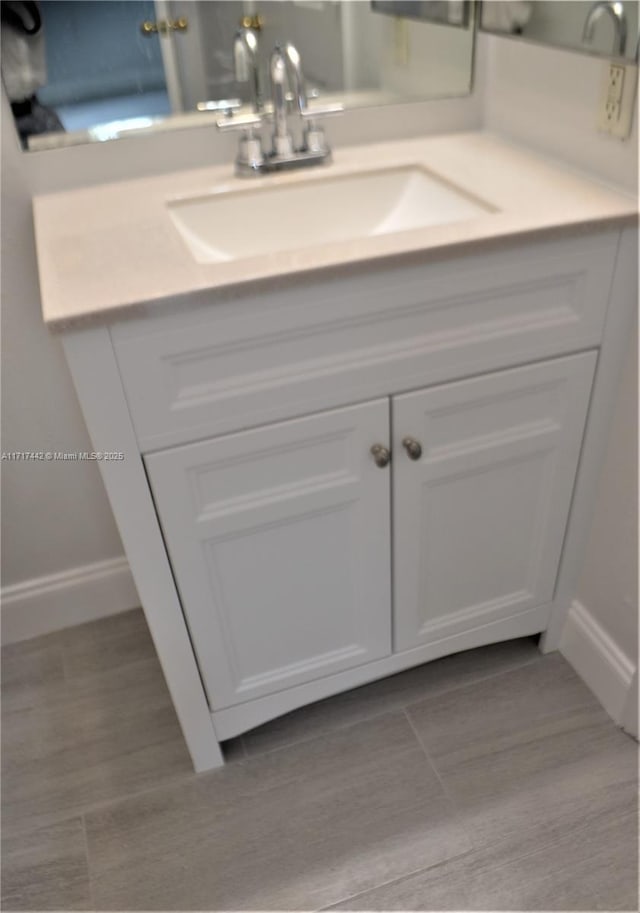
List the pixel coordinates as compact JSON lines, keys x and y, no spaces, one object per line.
{"x":96,"y":50}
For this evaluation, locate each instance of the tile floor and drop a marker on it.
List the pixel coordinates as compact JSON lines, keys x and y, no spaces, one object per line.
{"x":489,"y":780}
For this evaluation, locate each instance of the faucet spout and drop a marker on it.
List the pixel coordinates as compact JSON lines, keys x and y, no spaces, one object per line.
{"x":615,"y":11}
{"x":296,"y":76}
{"x":245,"y":59}
{"x":282,"y":140}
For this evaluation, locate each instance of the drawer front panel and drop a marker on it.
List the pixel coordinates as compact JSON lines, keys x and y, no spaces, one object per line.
{"x":244,"y":363}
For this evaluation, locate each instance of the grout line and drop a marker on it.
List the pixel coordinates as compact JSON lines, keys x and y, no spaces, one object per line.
{"x":398,"y":880}
{"x":432,"y":765}
{"x":182,"y":778}
{"x":86,"y":854}
{"x":64,"y":815}
{"x":376,"y":714}
{"x":177,"y":780}
{"x":64,"y":659}
{"x":385,"y":709}
{"x":554,"y":838}
{"x":473,"y":681}
{"x":494,"y":865}
{"x":59,"y":649}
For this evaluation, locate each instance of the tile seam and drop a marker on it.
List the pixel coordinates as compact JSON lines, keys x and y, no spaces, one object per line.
{"x":85,"y":836}
{"x":403,"y":705}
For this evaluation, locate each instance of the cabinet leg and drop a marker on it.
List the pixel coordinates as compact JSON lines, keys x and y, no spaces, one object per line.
{"x":548,"y":643}
{"x":93,"y":367}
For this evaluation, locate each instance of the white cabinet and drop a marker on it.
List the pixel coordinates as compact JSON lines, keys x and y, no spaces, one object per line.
{"x":276,"y":562}
{"x":279,"y":541}
{"x":280,"y":537}
{"x":480,"y":513}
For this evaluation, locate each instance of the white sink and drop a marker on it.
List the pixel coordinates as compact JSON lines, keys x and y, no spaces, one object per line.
{"x":234,"y":224}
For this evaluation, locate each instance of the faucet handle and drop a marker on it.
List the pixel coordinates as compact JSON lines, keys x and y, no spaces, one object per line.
{"x":321,"y":111}
{"x":314,"y":138}
{"x":250,"y":159}
{"x":239,"y":122}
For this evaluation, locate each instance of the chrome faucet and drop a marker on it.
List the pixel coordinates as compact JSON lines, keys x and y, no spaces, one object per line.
{"x":615,"y":10}
{"x":278,"y":71}
{"x":294,"y":66}
{"x":245,"y":62}
{"x":287,"y":80}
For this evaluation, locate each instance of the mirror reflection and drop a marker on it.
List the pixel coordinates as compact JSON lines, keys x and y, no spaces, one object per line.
{"x":430,"y":10}
{"x":88,"y":70}
{"x":603,"y":27}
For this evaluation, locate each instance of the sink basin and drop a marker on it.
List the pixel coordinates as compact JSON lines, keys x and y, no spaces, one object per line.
{"x":235,"y":224}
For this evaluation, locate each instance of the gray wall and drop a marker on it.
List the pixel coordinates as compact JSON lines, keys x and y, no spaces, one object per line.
{"x":54,"y":515}
{"x":524,"y":101}
{"x":609,"y":584}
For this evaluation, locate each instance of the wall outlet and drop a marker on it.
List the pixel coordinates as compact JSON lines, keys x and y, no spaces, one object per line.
{"x":615,"y":113}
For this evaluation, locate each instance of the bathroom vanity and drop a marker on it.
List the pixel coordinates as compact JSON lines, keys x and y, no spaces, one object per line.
{"x":352,"y":447}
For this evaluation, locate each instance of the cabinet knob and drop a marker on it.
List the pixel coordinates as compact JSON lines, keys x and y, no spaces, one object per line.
{"x":164,"y":26}
{"x":413,"y":448}
{"x":255,"y":22}
{"x":381,"y":455}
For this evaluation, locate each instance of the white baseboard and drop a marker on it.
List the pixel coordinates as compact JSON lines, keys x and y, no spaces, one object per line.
{"x":599,"y":661}
{"x":71,"y":597}
{"x":630,"y":721}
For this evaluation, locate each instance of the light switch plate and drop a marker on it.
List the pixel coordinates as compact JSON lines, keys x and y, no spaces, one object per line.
{"x":617,"y":101}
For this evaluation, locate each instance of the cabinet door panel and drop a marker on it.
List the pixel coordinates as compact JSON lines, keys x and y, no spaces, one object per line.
{"x":479,"y":518}
{"x":279,"y":540}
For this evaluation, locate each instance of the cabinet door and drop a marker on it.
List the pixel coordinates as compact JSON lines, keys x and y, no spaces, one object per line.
{"x":279,"y":542}
{"x":479,"y":516}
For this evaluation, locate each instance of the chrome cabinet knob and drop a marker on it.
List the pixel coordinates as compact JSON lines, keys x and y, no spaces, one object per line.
{"x":413,"y":448}
{"x":381,"y":455}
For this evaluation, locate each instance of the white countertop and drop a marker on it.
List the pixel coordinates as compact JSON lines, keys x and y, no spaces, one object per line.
{"x":107,"y":248}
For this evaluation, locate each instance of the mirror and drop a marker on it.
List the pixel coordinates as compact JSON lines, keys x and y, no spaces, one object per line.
{"x":429,"y":11}
{"x":90,"y":70}
{"x":607,"y":29}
